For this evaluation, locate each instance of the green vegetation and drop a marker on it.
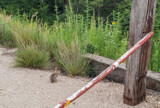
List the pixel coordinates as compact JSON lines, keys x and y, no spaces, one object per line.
{"x":62,"y":32}
{"x":28,"y":36}
{"x":29,"y":7}
{"x":70,"y":59}
{"x":32,"y":57}
{"x":6,"y":37}
{"x":27,"y":32}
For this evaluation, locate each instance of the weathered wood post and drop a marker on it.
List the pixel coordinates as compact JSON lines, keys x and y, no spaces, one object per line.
{"x":141,"y":23}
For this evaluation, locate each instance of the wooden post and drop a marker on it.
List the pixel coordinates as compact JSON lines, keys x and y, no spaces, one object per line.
{"x":141,"y":23}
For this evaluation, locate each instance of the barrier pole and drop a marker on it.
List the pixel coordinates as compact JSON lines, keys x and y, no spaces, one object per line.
{"x":104,"y":73}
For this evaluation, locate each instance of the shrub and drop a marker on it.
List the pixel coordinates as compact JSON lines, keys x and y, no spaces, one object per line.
{"x":32,"y":57}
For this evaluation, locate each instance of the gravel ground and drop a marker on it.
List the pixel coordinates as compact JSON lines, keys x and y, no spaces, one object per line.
{"x":28,"y":88}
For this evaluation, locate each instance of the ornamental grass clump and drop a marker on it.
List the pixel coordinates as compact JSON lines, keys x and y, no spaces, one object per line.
{"x":29,"y":37}
{"x":32,"y":57}
{"x":70,"y":58}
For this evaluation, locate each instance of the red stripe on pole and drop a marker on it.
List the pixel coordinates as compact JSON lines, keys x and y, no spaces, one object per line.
{"x":104,"y":73}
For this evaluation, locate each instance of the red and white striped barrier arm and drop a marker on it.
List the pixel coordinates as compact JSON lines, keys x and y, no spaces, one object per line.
{"x":104,"y":73}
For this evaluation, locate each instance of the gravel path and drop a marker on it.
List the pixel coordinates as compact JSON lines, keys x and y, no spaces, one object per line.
{"x":28,"y":88}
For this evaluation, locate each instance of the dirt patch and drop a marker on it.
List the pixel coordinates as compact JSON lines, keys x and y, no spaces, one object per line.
{"x":29,"y":88}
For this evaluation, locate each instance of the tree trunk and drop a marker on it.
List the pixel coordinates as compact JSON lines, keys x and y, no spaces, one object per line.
{"x":94,"y":12}
{"x":55,"y":1}
{"x":141,"y":23}
{"x":99,"y":12}
{"x":65,"y":2}
{"x":77,"y":6}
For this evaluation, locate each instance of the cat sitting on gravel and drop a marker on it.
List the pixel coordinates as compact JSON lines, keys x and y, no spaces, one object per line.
{"x":53,"y":77}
